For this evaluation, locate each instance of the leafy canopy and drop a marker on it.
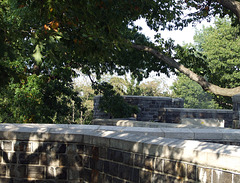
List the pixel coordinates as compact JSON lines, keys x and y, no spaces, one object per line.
{"x":42,"y":42}
{"x":192,"y":93}
{"x":215,"y":55}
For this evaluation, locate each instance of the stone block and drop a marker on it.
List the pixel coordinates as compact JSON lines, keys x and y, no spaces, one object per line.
{"x":43,"y":159}
{"x":7,"y":146}
{"x":99,"y":165}
{"x":110,"y":128}
{"x":125,"y":141}
{"x":102,"y":140}
{"x":73,"y":173}
{"x":52,"y":147}
{"x":125,"y":172}
{"x":95,"y":178}
{"x":138,"y":160}
{"x":35,"y":172}
{"x":3,"y":170}
{"x":67,"y":135}
{"x":61,"y":173}
{"x":51,"y":173}
{"x":9,"y":157}
{"x":177,"y":169}
{"x":28,"y":158}
{"x":211,"y":122}
{"x":23,"y":146}
{"x":76,"y":160}
{"x":159,"y":178}
{"x":79,"y":149}
{"x":231,"y":134}
{"x":86,"y":174}
{"x":88,"y":149}
{"x":192,"y":172}
{"x":107,"y":178}
{"x":18,"y":171}
{"x":145,"y":176}
{"x":128,"y":158}
{"x":113,"y":168}
{"x":158,"y":146}
{"x":178,"y":133}
{"x":117,"y":180}
{"x":204,"y":174}
{"x":236,"y":178}
{"x":63,"y":159}
{"x":135,"y":175}
{"x":158,"y":166}
{"x":115,"y":155}
{"x":6,"y":180}
{"x":86,"y":161}
{"x":204,"y":134}
{"x":220,"y":176}
{"x":149,"y":162}
{"x":103,"y":152}
{"x":144,"y":131}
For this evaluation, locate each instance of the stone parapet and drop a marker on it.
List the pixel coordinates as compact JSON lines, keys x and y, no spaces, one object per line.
{"x":80,"y":153}
{"x":148,"y":106}
{"x":170,"y":130}
{"x":208,"y":117}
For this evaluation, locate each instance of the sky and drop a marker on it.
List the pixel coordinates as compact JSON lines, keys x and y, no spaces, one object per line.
{"x":180,"y":37}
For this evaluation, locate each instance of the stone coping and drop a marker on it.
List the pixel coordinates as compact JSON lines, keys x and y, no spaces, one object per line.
{"x":186,"y":133}
{"x":134,"y":123}
{"x":162,"y":142}
{"x":147,"y":97}
{"x":198,"y":110}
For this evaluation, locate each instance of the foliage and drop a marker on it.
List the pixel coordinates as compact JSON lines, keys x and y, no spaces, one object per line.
{"x":42,"y":42}
{"x":154,"y":86}
{"x":86,"y":93}
{"x":221,"y":45}
{"x":112,"y":103}
{"x":216,"y":56}
{"x":192,"y":93}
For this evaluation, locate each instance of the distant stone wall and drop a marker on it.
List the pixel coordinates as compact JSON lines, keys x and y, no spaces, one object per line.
{"x":148,"y":106}
{"x":72,"y":153}
{"x":210,"y":116}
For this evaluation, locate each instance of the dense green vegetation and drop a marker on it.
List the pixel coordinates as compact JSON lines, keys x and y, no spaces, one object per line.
{"x":218,"y":50}
{"x":192,"y":93}
{"x":43,"y":42}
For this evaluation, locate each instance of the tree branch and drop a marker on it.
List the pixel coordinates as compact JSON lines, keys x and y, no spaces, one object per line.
{"x":232,"y":5}
{"x":193,"y":76}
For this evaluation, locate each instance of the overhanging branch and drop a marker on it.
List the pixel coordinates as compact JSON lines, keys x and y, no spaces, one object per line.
{"x":193,"y":76}
{"x":232,"y":5}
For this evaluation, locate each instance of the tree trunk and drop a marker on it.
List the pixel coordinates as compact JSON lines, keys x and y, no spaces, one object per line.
{"x":193,"y":76}
{"x":232,"y":5}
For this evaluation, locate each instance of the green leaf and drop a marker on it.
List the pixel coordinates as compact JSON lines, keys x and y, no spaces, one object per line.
{"x":37,"y":54}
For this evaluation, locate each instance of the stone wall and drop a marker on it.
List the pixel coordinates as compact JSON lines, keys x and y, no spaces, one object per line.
{"x":148,"y":106}
{"x":208,"y":117}
{"x":174,"y":131}
{"x":72,"y":153}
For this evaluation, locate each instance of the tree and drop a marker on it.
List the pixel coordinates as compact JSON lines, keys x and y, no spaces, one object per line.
{"x":86,"y":93}
{"x":230,"y":7}
{"x":192,"y":93}
{"x":153,"y":87}
{"x":44,"y":41}
{"x":219,"y":44}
